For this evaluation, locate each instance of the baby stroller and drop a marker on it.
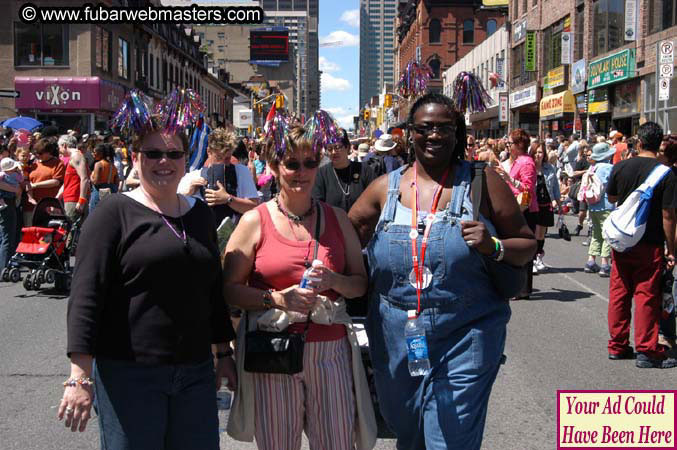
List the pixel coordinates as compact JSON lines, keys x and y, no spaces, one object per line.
{"x":45,"y":249}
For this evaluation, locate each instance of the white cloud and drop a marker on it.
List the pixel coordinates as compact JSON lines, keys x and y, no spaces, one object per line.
{"x":341,"y":38}
{"x":332,"y":83}
{"x":346,"y":121}
{"x":328,"y":66}
{"x":336,"y":111}
{"x":351,"y":17}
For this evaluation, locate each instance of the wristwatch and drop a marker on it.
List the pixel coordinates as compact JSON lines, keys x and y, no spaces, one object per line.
{"x":268,"y":299}
{"x":229,"y":199}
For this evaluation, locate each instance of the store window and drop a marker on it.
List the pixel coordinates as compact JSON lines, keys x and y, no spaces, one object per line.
{"x":103,"y":41}
{"x":468,"y":31}
{"x":434,"y":31}
{"x":519,"y":75}
{"x":665,"y":113}
{"x":662,"y":15}
{"x":579,"y":34}
{"x":40,"y":44}
{"x":491,"y":27}
{"x":552,"y":46}
{"x":123,"y":59}
{"x":608,"y":25}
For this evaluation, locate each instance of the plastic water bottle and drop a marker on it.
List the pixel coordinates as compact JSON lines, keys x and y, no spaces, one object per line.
{"x":417,"y":346}
{"x":307,"y":278}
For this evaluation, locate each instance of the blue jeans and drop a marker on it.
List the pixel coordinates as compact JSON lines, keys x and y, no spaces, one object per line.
{"x":95,"y":198}
{"x":8,"y":232}
{"x":170,"y":407}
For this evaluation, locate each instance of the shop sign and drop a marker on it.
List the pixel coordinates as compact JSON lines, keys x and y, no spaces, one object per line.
{"x":555,"y":78}
{"x":67,"y":94}
{"x":557,"y":105}
{"x":617,"y":67}
{"x":567,"y":38}
{"x":503,"y":107}
{"x":555,"y":125}
{"x":581,"y":104}
{"x":630,"y":20}
{"x":598,"y":101}
{"x":499,"y":70}
{"x":530,"y":52}
{"x":578,"y":76}
{"x":519,"y":30}
{"x":523,"y":97}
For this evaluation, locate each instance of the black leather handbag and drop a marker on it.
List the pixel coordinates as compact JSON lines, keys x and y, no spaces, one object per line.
{"x":278,"y":351}
{"x":508,"y":280}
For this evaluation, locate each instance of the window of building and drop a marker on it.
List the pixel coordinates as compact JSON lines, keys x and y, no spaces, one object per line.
{"x":552,"y":46}
{"x":579,"y":26}
{"x":222,"y":48}
{"x":468,"y":31}
{"x":491,"y":27}
{"x":662,"y":15}
{"x":221,"y":35}
{"x":434,"y":31}
{"x":518,"y":74}
{"x":102,"y":43}
{"x":40,"y":44}
{"x":524,"y":6}
{"x":123,"y":59}
{"x":608,"y":19}
{"x":151,"y":71}
{"x":435,"y":67}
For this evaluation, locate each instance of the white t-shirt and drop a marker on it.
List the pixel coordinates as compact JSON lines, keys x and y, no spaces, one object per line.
{"x":245,"y":183}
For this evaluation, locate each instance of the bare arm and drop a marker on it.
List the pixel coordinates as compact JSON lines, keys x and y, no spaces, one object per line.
{"x":365,"y":212}
{"x":78,"y":163}
{"x":46,"y":184}
{"x":669,"y":222}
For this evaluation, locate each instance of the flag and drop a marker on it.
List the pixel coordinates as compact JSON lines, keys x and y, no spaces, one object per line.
{"x":198,"y":145}
{"x":269,"y":118}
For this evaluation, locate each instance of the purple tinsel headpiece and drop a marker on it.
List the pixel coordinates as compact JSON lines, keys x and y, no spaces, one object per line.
{"x":180,"y":109}
{"x":469,"y":94}
{"x":133,"y":115}
{"x":322,"y":130}
{"x":278,"y":132}
{"x":414,"y":80}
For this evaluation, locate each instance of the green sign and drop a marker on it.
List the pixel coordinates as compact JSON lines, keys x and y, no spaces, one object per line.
{"x":617,"y":67}
{"x":530,"y":52}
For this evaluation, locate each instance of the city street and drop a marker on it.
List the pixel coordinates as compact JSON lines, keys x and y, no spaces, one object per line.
{"x":556,"y":340}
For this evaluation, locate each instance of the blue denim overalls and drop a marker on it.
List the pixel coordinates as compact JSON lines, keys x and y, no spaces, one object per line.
{"x":465,"y":322}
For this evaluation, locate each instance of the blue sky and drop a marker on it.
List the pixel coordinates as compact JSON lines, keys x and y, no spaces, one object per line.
{"x":339,"y":63}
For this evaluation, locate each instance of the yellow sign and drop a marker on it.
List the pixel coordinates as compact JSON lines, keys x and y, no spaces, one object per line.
{"x":557,"y":104}
{"x":598,"y":107}
{"x":495,"y":3}
{"x":555,"y":78}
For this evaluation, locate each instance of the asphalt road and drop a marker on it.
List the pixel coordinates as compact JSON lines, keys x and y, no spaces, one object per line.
{"x":556,"y":340}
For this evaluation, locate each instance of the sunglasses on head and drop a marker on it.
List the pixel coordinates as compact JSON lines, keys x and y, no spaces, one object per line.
{"x":158,"y":154}
{"x":294,"y":164}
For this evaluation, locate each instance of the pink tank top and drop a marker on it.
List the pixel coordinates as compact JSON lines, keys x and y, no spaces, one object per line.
{"x":280,"y":263}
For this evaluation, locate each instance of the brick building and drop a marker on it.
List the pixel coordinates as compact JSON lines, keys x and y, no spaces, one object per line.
{"x":439,"y":33}
{"x":594,"y":65}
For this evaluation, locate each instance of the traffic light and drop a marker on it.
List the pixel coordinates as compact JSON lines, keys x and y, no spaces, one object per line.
{"x":367,"y":113}
{"x":279,"y":101}
{"x":388,"y":102}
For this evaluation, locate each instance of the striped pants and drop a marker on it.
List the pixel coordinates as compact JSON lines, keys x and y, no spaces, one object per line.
{"x":319,"y":400}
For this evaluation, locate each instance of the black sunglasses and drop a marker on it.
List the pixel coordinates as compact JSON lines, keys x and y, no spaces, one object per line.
{"x":428,"y":128}
{"x":158,"y":154}
{"x":294,"y":164}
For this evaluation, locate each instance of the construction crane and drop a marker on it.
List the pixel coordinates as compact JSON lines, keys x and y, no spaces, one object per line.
{"x":331,"y":44}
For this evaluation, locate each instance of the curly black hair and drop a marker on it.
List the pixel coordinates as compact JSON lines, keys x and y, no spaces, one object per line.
{"x":440,"y":99}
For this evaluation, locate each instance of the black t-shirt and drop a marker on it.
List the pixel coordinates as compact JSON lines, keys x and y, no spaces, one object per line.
{"x":628,"y":175}
{"x":332,"y":185}
{"x":581,"y":164}
{"x":139,"y":293}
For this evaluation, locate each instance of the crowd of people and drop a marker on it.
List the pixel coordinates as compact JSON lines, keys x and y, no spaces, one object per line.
{"x":388,"y":221}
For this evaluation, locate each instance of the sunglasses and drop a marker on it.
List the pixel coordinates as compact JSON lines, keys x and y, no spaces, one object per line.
{"x":442,"y":128}
{"x":294,"y":164}
{"x":158,"y":154}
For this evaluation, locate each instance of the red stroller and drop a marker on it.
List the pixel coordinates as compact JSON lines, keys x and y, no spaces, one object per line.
{"x":45,"y":249}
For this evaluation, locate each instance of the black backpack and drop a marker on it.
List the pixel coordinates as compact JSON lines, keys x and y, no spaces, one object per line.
{"x":378,"y":164}
{"x":227,"y":175}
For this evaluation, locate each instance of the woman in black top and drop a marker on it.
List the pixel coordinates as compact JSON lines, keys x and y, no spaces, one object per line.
{"x":146,"y":316}
{"x":341,"y":182}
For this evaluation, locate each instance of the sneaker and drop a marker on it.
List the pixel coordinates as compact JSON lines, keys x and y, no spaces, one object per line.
{"x":629,"y":353}
{"x":578,"y":229}
{"x":539,"y":264}
{"x":585,"y":243}
{"x":605,"y":271}
{"x":591,"y":267}
{"x":644,"y":362}
{"x":534,"y":269}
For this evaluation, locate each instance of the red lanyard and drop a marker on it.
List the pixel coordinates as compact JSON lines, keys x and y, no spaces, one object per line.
{"x":418,"y":268}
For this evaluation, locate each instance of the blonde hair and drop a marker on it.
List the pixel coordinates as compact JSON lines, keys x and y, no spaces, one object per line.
{"x":296,"y":139}
{"x":221,"y":140}
{"x":136,"y":139}
{"x":552,"y":158}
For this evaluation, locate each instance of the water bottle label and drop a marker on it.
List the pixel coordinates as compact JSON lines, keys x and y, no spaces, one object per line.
{"x":417,"y":347}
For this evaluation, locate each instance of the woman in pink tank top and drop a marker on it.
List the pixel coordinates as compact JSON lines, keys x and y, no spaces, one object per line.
{"x":265,"y":259}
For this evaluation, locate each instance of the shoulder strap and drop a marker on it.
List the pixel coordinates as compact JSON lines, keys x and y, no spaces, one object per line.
{"x":656,"y":176}
{"x":318,"y":224}
{"x":477,"y":187}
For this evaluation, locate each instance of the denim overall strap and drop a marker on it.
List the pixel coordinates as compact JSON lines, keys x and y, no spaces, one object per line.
{"x":461,"y":186}
{"x":393,"y":195}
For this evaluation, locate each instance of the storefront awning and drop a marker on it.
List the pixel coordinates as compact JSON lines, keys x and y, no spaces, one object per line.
{"x":557,"y":105}
{"x":90,"y":94}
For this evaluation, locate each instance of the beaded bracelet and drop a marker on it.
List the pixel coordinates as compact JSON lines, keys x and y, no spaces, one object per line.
{"x":82,"y":381}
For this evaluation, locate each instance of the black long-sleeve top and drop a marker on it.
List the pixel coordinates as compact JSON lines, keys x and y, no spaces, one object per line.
{"x":139,"y":293}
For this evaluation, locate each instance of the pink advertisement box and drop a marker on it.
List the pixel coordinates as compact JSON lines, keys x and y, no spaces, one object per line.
{"x":67,"y":93}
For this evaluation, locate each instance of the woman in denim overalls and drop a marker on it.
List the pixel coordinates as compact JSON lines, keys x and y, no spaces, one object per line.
{"x":463,"y":316}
